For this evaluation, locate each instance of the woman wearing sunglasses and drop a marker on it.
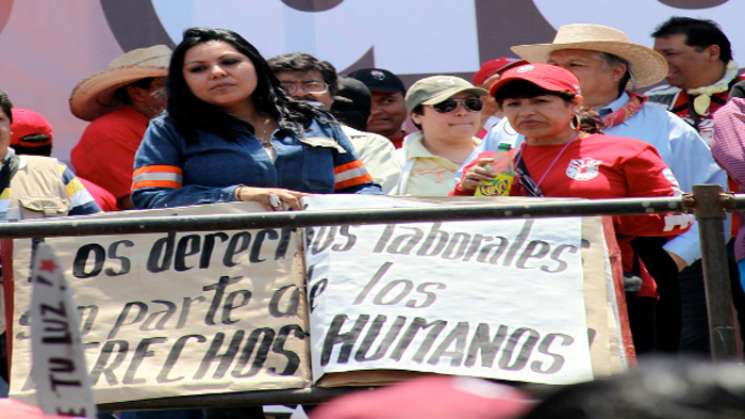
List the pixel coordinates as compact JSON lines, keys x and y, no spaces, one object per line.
{"x":566,"y":155}
{"x":447,"y":110}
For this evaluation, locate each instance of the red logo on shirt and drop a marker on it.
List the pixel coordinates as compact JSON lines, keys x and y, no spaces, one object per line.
{"x":583,"y":169}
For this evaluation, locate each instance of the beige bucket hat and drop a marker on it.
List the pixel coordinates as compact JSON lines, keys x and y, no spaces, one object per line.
{"x":647,"y":65}
{"x":436,"y":89}
{"x":94,"y":96}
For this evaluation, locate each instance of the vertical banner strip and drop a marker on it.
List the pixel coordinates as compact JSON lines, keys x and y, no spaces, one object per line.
{"x":7,"y":263}
{"x":58,"y":364}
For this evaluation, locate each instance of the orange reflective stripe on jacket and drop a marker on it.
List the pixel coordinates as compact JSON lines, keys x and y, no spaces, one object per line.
{"x":350,"y":174}
{"x":157,"y":176}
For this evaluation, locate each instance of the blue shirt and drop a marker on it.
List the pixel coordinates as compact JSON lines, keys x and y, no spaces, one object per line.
{"x":680,"y":146}
{"x":169,"y":171}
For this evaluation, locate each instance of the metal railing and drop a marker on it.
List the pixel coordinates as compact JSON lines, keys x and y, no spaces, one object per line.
{"x":153,"y":224}
{"x":707,"y":202}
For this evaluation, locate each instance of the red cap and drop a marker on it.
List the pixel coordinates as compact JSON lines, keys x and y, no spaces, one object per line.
{"x":549,"y":77}
{"x":492,"y":67}
{"x":18,"y":410}
{"x":27,"y":122}
{"x":432,"y":397}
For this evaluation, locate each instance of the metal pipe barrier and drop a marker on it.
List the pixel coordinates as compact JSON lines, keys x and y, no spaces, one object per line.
{"x":707,"y":202}
{"x":710,"y":213}
{"x":154,"y":224}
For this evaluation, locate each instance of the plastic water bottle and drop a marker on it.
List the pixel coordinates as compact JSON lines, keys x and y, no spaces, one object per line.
{"x":501,"y":184}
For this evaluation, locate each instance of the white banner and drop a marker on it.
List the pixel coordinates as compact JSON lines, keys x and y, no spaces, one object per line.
{"x":496,"y":299}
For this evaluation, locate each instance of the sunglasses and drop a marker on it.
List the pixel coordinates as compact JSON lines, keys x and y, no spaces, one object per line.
{"x":471,"y":104}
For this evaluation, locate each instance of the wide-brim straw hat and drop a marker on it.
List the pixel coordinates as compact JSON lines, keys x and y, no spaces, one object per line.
{"x":94,"y":96}
{"x":647,"y":66}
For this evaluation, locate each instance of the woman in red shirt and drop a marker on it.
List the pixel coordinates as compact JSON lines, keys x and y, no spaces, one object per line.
{"x":566,"y":155}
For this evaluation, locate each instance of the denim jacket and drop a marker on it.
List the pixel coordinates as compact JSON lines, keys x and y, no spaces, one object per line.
{"x":169,"y":171}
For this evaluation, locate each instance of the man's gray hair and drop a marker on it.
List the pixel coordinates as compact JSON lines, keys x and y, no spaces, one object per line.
{"x":614,"y":60}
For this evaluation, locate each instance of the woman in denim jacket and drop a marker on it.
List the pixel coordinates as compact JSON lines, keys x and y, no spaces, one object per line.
{"x":231,"y":134}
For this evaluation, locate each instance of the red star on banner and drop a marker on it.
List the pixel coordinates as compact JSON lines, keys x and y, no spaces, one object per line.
{"x":48,"y":265}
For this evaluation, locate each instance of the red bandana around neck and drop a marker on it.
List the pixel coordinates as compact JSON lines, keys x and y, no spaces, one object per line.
{"x":634,"y":105}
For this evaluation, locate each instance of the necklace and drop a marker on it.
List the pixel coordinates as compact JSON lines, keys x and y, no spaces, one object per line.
{"x":555,"y":160}
{"x":263,"y":133}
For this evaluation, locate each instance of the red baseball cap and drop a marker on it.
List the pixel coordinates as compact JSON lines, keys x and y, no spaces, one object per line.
{"x":432,"y":397}
{"x":492,"y":67}
{"x":18,"y":410}
{"x":546,"y":76}
{"x":29,"y":123}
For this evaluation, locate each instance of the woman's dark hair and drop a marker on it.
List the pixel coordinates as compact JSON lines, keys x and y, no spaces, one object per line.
{"x":191,"y":113}
{"x":589,"y":120}
{"x":659,"y":388}
{"x":6,"y":105}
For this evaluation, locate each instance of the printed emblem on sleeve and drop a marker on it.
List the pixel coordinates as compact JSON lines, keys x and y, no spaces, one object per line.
{"x":585,"y":168}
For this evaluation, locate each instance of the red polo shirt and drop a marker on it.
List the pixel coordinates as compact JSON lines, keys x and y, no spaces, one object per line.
{"x":106,"y":150}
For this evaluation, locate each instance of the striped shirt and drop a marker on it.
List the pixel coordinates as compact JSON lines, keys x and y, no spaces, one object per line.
{"x":80,"y":201}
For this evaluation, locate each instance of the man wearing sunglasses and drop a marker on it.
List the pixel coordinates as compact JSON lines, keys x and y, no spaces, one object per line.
{"x":306,"y":78}
{"x":447,"y":110}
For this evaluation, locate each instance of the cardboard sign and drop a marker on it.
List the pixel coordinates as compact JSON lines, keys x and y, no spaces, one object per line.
{"x":496,"y":299}
{"x":58,"y":368}
{"x":178,"y":314}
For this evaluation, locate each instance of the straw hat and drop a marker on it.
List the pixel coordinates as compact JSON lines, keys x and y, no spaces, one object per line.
{"x":647,"y":65}
{"x":94,"y":96}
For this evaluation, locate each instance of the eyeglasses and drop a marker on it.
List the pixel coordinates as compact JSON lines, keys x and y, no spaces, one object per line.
{"x":308,"y":86}
{"x":159,"y":93}
{"x":471,"y":104}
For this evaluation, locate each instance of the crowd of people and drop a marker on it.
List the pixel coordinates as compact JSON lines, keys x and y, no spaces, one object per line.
{"x":214,"y":121}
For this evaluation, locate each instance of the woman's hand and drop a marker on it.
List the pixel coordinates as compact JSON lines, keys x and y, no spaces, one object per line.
{"x":482,"y":170}
{"x":272,"y":199}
